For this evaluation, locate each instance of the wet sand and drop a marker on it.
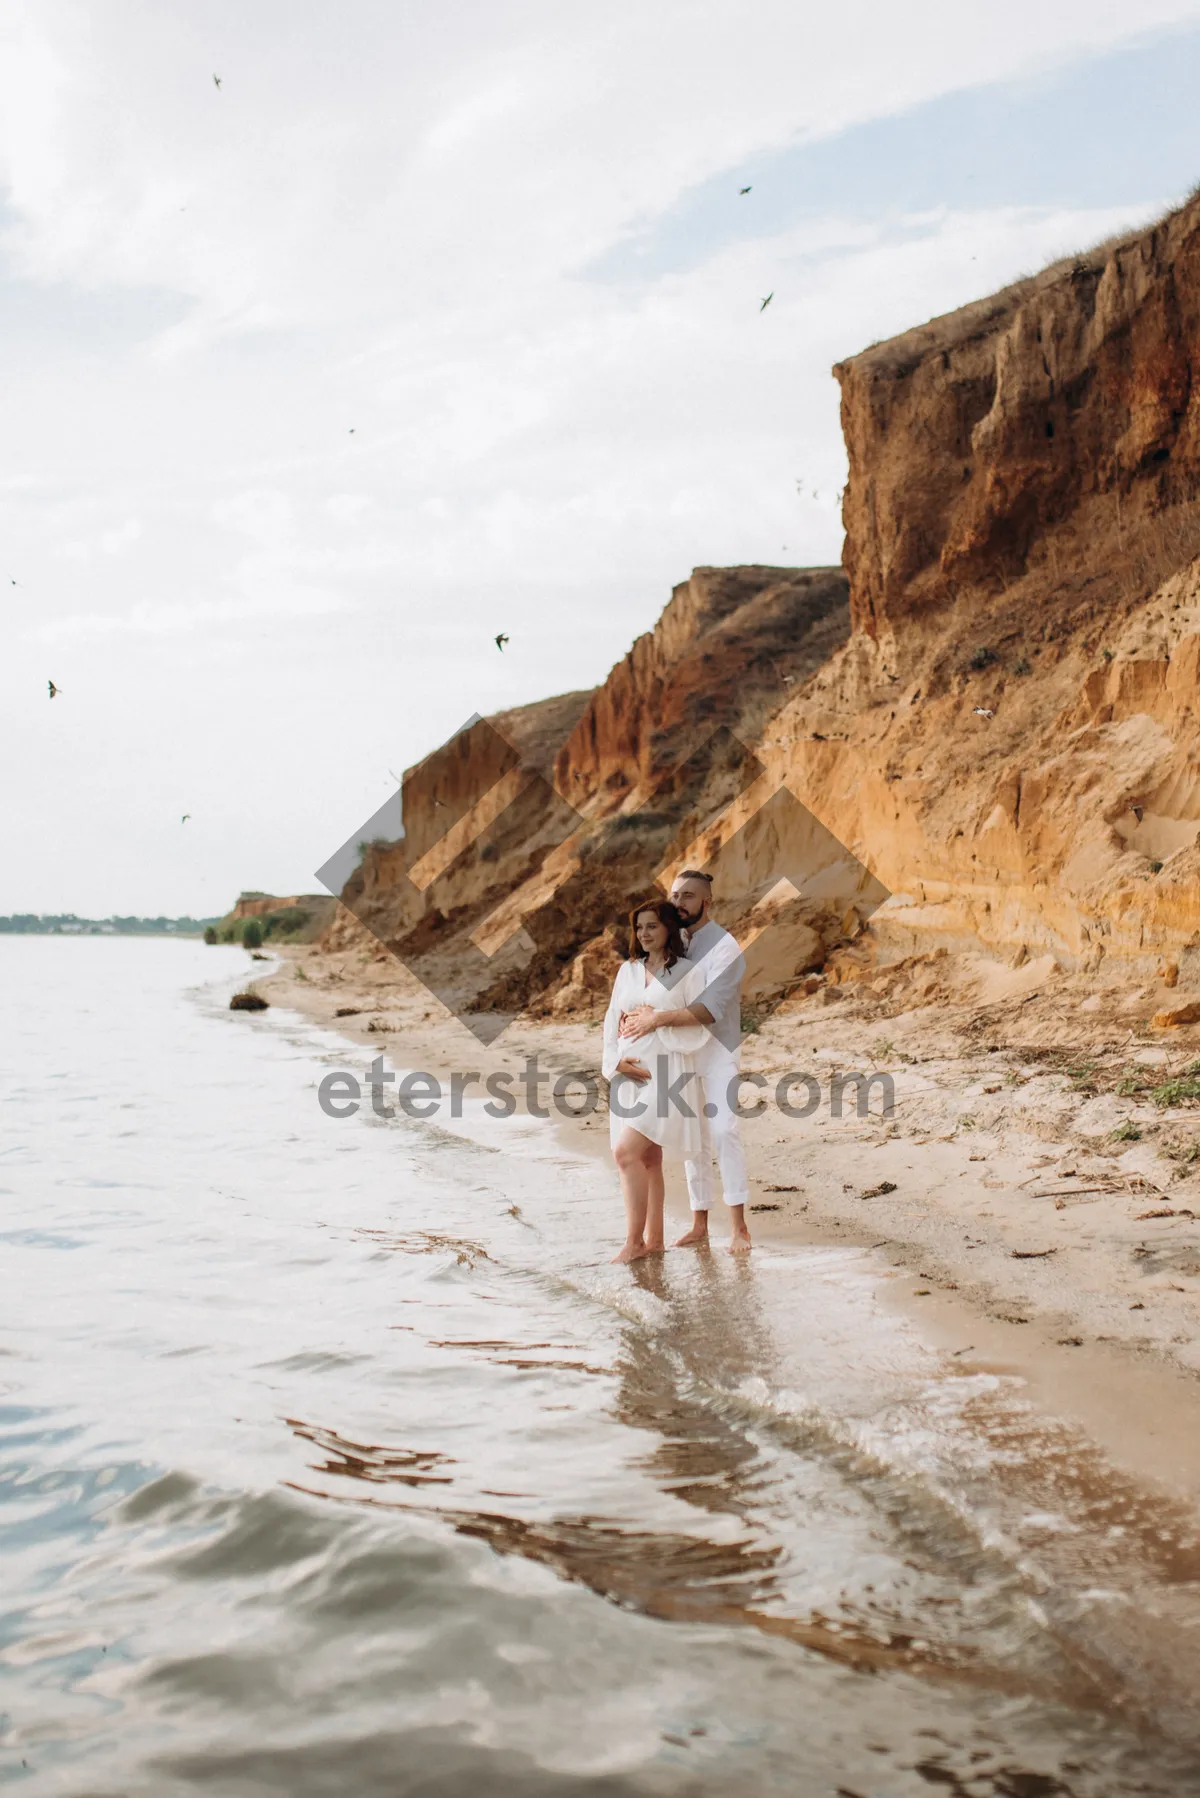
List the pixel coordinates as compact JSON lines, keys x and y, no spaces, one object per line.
{"x":1014,"y":1231}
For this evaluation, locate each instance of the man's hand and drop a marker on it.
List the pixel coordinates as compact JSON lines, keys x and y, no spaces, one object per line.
{"x":636,"y":1070}
{"x":645,"y":1019}
{"x":639,"y":1022}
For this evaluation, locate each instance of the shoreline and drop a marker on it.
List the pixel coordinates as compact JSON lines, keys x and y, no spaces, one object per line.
{"x":1091,"y":1302}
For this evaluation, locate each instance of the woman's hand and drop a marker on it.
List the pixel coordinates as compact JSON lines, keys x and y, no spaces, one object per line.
{"x":636,"y":1070}
{"x":639,"y":1022}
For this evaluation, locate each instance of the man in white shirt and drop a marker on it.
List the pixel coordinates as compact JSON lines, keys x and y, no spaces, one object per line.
{"x":716,"y":952}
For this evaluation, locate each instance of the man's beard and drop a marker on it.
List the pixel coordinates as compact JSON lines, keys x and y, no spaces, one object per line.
{"x":688,"y":918}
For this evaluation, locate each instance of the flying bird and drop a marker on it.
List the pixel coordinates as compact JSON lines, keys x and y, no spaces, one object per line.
{"x":185,"y":817}
{"x":984,"y":711}
{"x":743,"y":190}
{"x":501,"y":640}
{"x":351,"y":431}
{"x":217,"y":80}
{"x":767,"y":301}
{"x":53,"y":689}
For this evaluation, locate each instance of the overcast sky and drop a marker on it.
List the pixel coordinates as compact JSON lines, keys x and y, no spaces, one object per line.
{"x":431,"y":322}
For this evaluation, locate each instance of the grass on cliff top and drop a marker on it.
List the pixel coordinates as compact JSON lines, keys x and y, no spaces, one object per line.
{"x":286,"y":926}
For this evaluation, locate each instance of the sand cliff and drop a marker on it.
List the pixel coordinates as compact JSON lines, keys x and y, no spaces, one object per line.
{"x":529,"y":834}
{"x":994,"y":709}
{"x":1021,"y":542}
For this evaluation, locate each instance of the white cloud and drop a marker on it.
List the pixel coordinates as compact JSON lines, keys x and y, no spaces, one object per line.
{"x":331,"y":399}
{"x":368,"y":157}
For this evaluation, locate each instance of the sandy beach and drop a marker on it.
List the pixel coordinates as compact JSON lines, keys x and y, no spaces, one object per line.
{"x":1032,"y":1213}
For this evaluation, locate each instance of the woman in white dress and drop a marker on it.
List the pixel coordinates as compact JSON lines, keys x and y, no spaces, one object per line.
{"x":652,"y":1092}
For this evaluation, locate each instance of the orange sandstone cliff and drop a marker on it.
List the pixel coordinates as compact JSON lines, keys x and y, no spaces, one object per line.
{"x":983,"y":735}
{"x":529,"y":835}
{"x":1019,"y":694}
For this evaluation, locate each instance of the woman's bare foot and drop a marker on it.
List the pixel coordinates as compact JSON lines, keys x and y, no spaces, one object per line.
{"x":632,"y":1251}
{"x":655,"y":1245}
{"x":697,"y":1235}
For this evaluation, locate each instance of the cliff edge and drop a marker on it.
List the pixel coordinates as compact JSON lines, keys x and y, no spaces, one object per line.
{"x":993,"y":709}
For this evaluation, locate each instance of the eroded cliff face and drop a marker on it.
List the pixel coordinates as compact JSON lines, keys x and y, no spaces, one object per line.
{"x":728,"y":648}
{"x":1013,"y":731}
{"x":1048,"y":433}
{"x":471,"y":827}
{"x":1008,"y":737}
{"x":530,"y":835}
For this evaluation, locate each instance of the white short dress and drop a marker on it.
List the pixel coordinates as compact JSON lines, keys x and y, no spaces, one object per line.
{"x":666,"y":1107}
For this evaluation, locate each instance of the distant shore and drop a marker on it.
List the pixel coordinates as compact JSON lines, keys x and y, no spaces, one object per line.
{"x":68,"y":924}
{"x":1011,"y":1227}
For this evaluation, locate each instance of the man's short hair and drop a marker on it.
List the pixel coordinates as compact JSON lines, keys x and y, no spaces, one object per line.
{"x":694,"y":874}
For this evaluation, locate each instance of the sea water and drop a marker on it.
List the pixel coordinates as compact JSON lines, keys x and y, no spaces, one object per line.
{"x":336,"y":1459}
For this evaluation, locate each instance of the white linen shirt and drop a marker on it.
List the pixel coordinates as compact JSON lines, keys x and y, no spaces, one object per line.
{"x":720,"y":968}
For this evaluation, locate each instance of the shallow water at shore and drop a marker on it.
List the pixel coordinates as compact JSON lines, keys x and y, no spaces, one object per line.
{"x":335,"y":1458}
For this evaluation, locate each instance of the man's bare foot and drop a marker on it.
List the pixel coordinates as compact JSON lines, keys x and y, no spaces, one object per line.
{"x":633,"y":1251}
{"x":692,"y":1239}
{"x":739,"y":1242}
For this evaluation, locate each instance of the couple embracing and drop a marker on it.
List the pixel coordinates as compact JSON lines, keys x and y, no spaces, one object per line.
{"x":672,"y":1038}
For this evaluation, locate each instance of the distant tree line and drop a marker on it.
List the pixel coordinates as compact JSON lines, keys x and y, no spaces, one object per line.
{"x":68,"y":924}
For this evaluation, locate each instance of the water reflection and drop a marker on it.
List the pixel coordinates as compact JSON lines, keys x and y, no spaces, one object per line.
{"x":373,"y":1463}
{"x":336,"y":1465}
